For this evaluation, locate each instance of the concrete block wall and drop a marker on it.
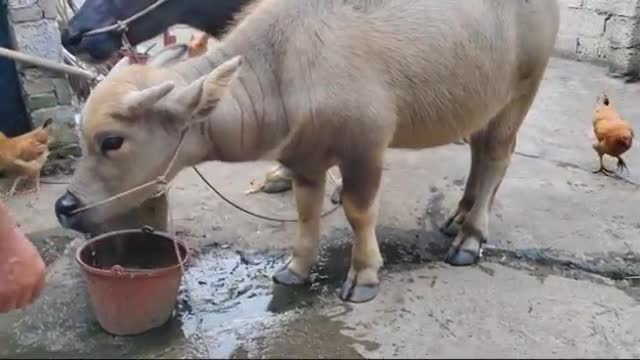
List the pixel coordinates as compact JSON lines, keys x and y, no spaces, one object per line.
{"x":602,"y":31}
{"x":34,"y":30}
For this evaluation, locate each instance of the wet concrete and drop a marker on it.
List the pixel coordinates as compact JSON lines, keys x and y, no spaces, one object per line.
{"x":229,"y":308}
{"x":559,"y":277}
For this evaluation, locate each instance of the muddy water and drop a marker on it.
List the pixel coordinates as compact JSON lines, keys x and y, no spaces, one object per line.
{"x":229,"y":307}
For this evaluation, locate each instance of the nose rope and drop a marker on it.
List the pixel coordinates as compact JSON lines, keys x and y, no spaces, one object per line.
{"x":161,"y":180}
{"x":122,"y":26}
{"x":127,"y":45}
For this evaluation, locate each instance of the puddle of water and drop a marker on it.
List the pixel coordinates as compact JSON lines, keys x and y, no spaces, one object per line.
{"x":228,"y":306}
{"x":309,"y":335}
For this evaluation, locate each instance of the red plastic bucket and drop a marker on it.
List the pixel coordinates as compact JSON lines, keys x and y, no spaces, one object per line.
{"x":133,"y":278}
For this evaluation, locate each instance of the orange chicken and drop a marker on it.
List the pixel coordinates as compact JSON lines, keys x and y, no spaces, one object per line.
{"x":614,"y":136}
{"x":23,"y":156}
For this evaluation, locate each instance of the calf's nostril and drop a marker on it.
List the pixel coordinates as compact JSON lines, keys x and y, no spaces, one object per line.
{"x":66,"y":204}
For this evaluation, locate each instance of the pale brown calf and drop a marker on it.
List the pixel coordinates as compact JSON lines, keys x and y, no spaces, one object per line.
{"x":318,"y":83}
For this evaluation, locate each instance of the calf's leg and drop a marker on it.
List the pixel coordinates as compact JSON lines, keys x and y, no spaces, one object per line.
{"x":360,"y":200}
{"x":455,"y":220}
{"x":309,"y":194}
{"x":491,"y":150}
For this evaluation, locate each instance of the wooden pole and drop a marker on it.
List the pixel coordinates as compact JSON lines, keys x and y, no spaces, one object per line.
{"x":48,"y":64}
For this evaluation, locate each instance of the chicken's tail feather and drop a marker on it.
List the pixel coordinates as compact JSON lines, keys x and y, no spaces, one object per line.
{"x":47,"y":123}
{"x":603,"y":99}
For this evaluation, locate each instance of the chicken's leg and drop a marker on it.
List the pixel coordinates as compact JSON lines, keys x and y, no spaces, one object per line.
{"x":622,"y":165}
{"x":14,"y":187}
{"x":603,"y":170}
{"x":36,"y":187}
{"x":33,"y":168}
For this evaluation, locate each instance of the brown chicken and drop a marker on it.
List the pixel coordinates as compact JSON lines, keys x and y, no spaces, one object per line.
{"x":614,"y":136}
{"x":199,"y":44}
{"x":23,"y":156}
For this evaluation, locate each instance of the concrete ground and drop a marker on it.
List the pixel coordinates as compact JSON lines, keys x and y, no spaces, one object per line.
{"x":559,"y":277}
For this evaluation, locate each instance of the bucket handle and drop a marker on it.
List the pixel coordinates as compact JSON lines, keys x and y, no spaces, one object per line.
{"x":148,"y":229}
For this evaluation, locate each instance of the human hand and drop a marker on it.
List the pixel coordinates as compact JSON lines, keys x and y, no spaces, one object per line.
{"x":22,"y":270}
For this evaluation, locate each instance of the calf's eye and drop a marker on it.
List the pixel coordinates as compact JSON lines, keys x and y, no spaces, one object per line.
{"x":111,"y":143}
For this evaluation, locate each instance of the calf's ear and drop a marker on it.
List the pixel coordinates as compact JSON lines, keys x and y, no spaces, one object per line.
{"x":138,"y":101}
{"x":201,"y":97}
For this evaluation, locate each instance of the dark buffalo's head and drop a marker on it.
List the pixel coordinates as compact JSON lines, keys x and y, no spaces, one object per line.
{"x":211,"y":16}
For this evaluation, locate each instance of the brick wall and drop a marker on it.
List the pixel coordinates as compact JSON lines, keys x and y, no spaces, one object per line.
{"x":601,"y":31}
{"x":47,"y":94}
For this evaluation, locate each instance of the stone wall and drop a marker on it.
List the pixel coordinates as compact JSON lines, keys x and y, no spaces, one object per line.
{"x":47,"y":94}
{"x":602,"y":31}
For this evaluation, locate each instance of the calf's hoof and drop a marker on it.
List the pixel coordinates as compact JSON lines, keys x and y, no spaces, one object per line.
{"x":287,"y":277}
{"x":462,"y":257}
{"x":361,"y":286}
{"x":277,"y":186}
{"x":352,"y":292}
{"x":466,"y":248}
